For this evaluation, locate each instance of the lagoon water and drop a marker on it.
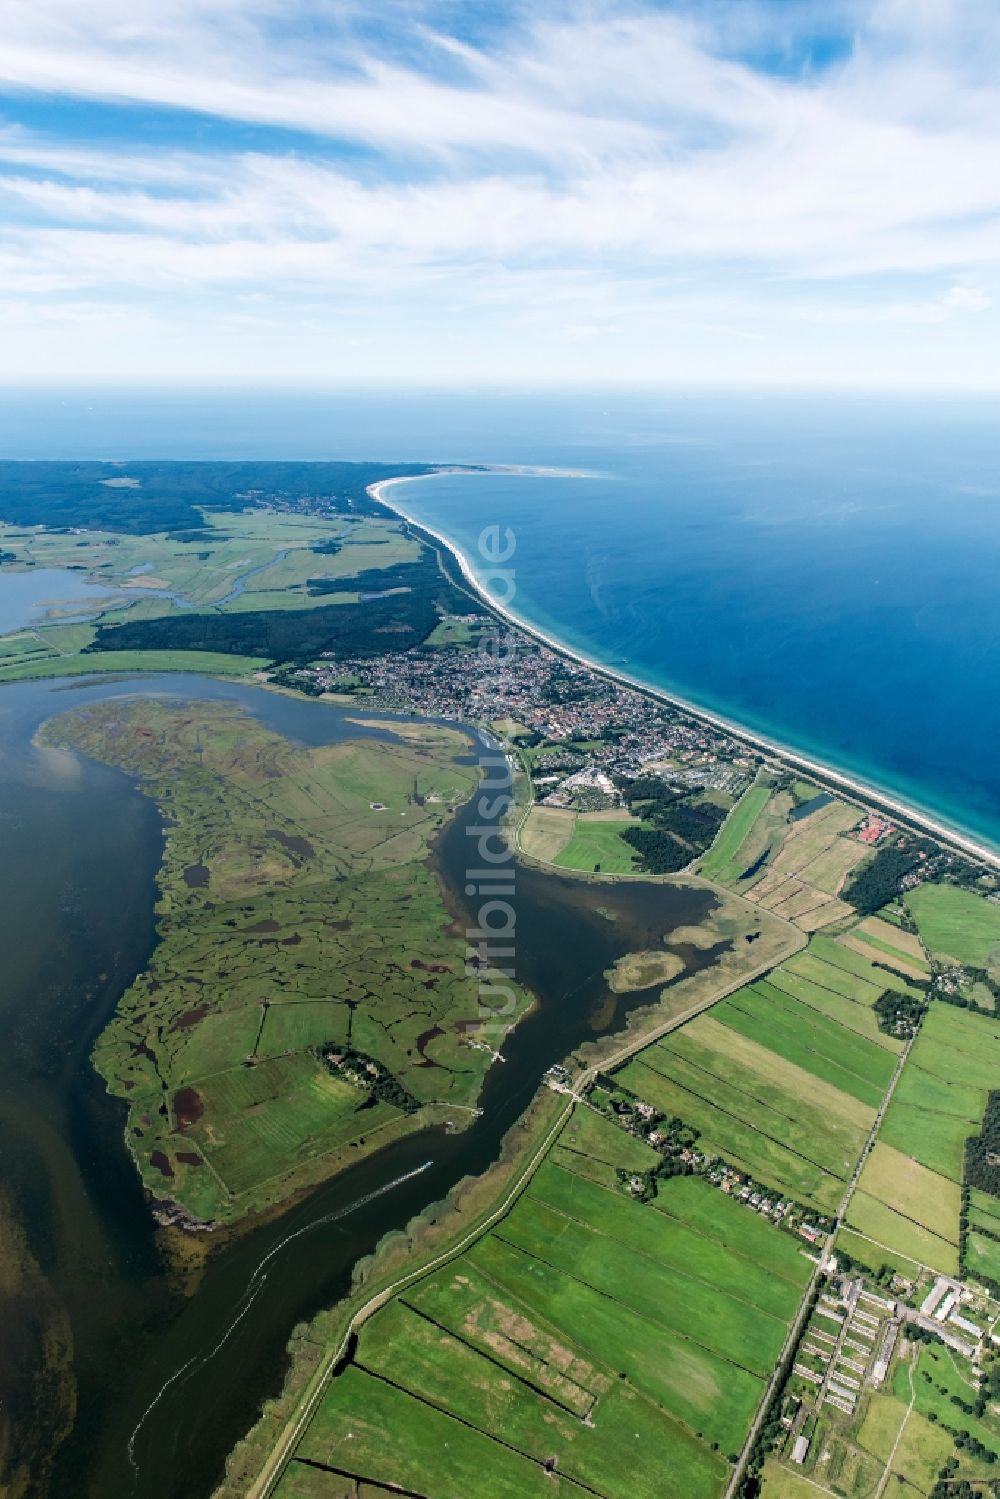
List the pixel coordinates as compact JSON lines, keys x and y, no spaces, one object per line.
{"x":823,"y":569}
{"x":164,"y":1383}
{"x":27,"y":597}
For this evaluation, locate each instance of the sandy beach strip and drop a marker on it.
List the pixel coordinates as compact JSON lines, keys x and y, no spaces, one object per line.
{"x":858,"y":791}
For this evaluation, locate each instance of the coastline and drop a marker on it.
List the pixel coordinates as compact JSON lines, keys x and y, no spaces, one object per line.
{"x":855,"y":790}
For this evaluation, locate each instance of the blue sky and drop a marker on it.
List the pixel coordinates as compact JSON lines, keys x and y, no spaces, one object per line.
{"x":302,"y":191}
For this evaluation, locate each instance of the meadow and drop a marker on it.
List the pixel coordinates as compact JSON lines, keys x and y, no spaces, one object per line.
{"x":724,"y":862}
{"x":910,"y":1190}
{"x":789,"y":856}
{"x":297,"y":921}
{"x":982,"y":1254}
{"x":620,"y":1345}
{"x":589,"y":842}
{"x":597,"y":846}
{"x":957,"y":924}
{"x":167,"y":599}
{"x":782,"y":1078}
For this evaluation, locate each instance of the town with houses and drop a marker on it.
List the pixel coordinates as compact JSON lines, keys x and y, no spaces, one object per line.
{"x":585,"y":726}
{"x":579,"y":729}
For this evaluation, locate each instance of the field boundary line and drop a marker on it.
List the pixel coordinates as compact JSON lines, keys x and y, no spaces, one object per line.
{"x":805,"y":1306}
{"x":899,"y":1437}
{"x":281,"y":1454}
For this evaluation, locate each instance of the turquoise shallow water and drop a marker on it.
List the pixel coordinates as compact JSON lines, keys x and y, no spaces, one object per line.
{"x":822,"y":569}
{"x":861,"y":636}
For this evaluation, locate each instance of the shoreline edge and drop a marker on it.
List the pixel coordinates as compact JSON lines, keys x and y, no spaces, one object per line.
{"x":857,"y":791}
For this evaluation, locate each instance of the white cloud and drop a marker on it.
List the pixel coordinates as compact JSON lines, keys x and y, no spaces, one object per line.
{"x":619,"y":167}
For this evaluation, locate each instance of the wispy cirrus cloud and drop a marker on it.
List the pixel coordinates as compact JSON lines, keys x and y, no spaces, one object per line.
{"x":704,"y":173}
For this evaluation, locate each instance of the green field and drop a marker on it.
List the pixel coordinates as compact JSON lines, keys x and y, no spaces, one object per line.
{"x":831,"y":966}
{"x":375,"y":1427}
{"x":296,"y":915}
{"x":986,"y":1205}
{"x":304,"y":1022}
{"x":895,"y":954}
{"x":874,"y":1255}
{"x":725,"y":1132}
{"x":589,"y":1136}
{"x":784,"y":1077}
{"x":936,"y":1140}
{"x":982,"y":1254}
{"x":901,"y":1234}
{"x":599,"y":846}
{"x":262,"y":1122}
{"x":958,"y":924}
{"x":625,"y":1342}
{"x":704,"y":1302}
{"x":908,"y":1187}
{"x":715,"y":1216}
{"x":909,"y":1197}
{"x":834,"y":954}
{"x":743,"y":1087}
{"x":852,"y":1014}
{"x":207,"y":662}
{"x":694,"y":1258}
{"x":826,"y":1123}
{"x":814,"y":1042}
{"x":721,"y":862}
{"x":936,"y":1106}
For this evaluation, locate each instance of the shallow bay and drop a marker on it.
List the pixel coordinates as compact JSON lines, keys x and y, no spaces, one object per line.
{"x":164,"y":1383}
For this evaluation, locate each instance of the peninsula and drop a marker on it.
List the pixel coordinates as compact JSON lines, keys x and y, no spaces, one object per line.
{"x":733,"y":1219}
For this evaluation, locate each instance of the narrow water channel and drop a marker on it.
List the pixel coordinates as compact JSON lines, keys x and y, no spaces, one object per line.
{"x":165,"y":1385}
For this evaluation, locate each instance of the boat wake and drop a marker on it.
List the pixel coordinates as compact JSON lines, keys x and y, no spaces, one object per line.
{"x":254,"y":1287}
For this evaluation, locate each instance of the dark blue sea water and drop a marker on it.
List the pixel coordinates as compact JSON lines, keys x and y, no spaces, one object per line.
{"x":821,"y":568}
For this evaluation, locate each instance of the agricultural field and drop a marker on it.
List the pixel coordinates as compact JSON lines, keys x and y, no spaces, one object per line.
{"x":830,"y":966}
{"x":982,"y":1254}
{"x":881,"y":942}
{"x":584,"y":1340}
{"x":590,"y":842}
{"x":597,"y":846}
{"x":779,"y":1087}
{"x":546,"y":832}
{"x":725,"y":860}
{"x":791,"y":859}
{"x":298,"y":924}
{"x":957,"y":924}
{"x":783,"y":1078}
{"x":909,"y":1196}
